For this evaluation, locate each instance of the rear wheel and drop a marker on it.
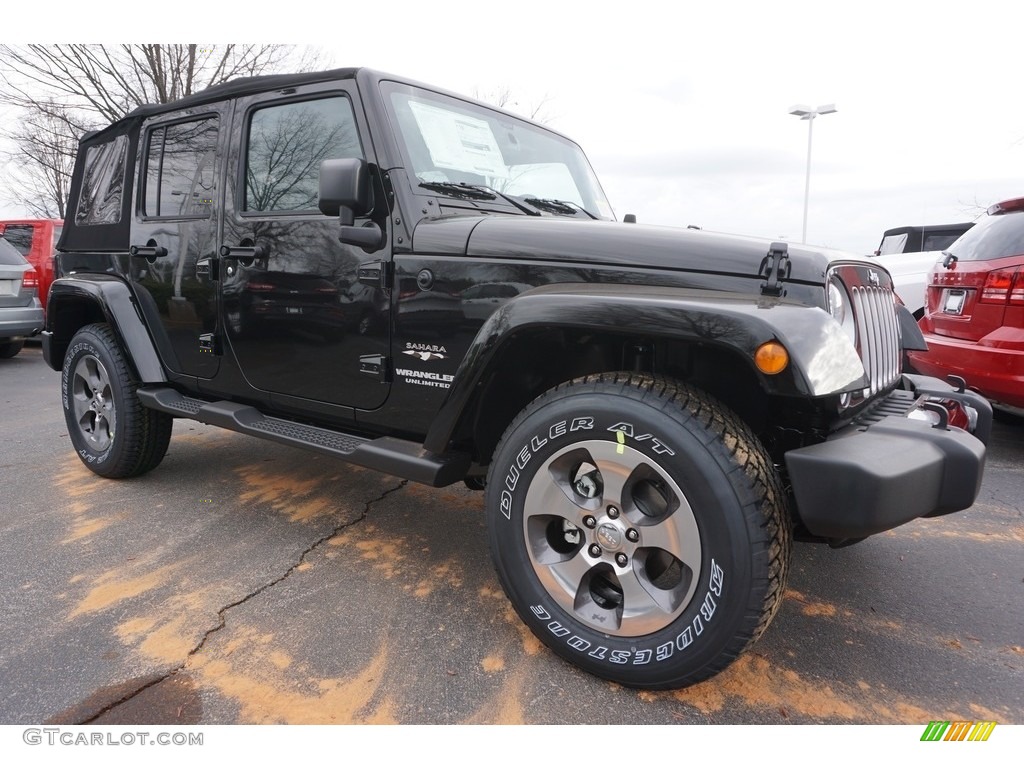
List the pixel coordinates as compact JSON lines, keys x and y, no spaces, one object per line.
{"x":639,"y":528}
{"x":10,"y":349}
{"x":113,"y":434}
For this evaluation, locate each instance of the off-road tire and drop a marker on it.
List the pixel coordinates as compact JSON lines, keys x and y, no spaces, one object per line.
{"x":113,"y":433}
{"x":639,"y":528}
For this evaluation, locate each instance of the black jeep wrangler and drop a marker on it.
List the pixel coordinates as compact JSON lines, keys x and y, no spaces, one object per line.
{"x":378,"y":270}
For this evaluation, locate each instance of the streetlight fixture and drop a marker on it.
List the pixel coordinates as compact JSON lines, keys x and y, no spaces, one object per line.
{"x":808,"y":114}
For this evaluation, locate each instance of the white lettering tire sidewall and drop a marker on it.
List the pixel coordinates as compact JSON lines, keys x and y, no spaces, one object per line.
{"x":715,"y":625}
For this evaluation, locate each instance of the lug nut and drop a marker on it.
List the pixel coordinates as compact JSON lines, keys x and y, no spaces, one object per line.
{"x":595,"y":551}
{"x":633,"y":535}
{"x":589,"y":521}
{"x":622,"y":560}
{"x":613,"y":512}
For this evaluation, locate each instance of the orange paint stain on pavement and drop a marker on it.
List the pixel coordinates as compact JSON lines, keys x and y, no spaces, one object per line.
{"x":265,"y":697}
{"x":505,"y":706}
{"x":447,"y":575}
{"x":174,"y":631}
{"x":291,"y":494}
{"x":810,"y":607}
{"x":492,"y":663}
{"x":114,"y":587}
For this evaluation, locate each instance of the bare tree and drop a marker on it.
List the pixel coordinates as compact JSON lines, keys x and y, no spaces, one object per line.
{"x":503,"y":98}
{"x":62,"y":90}
{"x":41,"y":168}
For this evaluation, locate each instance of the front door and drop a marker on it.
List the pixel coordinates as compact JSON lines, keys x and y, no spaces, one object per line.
{"x":297,"y":319}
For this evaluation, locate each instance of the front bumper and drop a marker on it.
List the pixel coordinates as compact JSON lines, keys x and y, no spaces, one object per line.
{"x":869,"y":478}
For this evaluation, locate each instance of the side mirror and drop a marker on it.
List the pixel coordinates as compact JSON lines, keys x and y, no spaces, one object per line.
{"x":346,"y":192}
{"x":345,"y":189}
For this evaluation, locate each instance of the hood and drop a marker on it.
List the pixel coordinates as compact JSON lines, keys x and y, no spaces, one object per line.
{"x":612,"y":244}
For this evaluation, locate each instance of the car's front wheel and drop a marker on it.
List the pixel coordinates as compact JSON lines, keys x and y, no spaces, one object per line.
{"x":639,"y":528}
{"x":112,"y":432}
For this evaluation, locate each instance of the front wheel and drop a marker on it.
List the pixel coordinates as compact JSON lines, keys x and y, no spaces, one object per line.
{"x":112,"y":432}
{"x":639,"y":528}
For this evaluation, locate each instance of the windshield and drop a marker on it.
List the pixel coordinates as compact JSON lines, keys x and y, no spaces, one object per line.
{"x":451,"y":142}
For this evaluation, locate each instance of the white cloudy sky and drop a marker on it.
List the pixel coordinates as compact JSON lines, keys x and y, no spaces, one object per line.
{"x":683,"y":107}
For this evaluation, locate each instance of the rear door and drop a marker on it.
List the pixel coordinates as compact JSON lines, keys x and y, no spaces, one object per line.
{"x":174,"y":233}
{"x":298,"y":320}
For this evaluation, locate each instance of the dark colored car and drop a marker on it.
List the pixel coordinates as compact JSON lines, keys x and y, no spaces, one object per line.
{"x":418,"y":283}
{"x":933,"y":237}
{"x":21,"y":314}
{"x":974,"y":324}
{"x":36,"y":240}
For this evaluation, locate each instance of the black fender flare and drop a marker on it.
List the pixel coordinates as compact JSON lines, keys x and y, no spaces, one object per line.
{"x":114,"y":300}
{"x":823,"y":360}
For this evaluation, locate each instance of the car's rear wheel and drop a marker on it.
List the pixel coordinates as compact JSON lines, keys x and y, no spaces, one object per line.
{"x":10,"y":349}
{"x":639,"y":528}
{"x":112,"y":432}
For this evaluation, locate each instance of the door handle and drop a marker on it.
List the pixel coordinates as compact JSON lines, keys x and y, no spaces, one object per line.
{"x":258,"y":251}
{"x":148,"y":251}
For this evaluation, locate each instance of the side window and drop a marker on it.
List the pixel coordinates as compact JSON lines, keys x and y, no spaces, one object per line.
{"x":285,"y":146}
{"x":180,"y":170}
{"x":99,"y":201}
{"x":20,"y":236}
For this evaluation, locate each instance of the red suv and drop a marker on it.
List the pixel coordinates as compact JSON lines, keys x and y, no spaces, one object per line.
{"x":974,"y":323}
{"x":36,"y":240}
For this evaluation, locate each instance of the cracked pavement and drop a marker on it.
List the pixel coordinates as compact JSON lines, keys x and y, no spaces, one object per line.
{"x":246,"y":582}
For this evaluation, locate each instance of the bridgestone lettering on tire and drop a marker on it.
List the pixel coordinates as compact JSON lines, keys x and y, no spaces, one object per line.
{"x":639,"y":528}
{"x":113,"y":434}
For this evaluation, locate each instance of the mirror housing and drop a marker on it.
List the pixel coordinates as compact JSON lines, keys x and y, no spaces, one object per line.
{"x":345,"y":189}
{"x":346,"y":192}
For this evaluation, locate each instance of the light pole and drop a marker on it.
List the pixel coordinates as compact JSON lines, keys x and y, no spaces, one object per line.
{"x":808,"y":114}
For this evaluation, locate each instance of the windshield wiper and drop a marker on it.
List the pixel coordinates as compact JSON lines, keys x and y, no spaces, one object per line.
{"x":464,"y":190}
{"x":558,"y":206}
{"x":950,"y":259}
{"x":477,"y":192}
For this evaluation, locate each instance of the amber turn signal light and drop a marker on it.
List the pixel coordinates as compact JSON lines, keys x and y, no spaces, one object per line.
{"x":771,"y":358}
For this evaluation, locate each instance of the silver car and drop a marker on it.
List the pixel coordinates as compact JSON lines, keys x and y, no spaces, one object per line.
{"x":21,"y":314}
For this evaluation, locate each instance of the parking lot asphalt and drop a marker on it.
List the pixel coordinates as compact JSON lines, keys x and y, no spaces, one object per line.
{"x":246,"y":582}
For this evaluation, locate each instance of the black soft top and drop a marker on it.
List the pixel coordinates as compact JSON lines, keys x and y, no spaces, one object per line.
{"x":107,"y":179}
{"x":240,"y":86}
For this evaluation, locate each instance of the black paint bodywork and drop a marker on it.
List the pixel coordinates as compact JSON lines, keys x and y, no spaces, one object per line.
{"x":413,"y":354}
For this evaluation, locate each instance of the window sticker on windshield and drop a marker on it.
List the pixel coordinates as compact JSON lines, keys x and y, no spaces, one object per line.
{"x":458,"y":141}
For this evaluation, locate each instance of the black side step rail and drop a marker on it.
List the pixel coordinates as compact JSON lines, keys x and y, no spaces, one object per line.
{"x":402,"y":458}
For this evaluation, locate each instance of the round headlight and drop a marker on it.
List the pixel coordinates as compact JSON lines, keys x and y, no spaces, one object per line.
{"x":839,"y":307}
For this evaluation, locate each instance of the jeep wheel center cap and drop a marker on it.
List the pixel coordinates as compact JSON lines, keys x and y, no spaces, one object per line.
{"x":609,"y":537}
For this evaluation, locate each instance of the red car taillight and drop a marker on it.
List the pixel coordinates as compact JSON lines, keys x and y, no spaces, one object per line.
{"x":30,"y":279}
{"x":1003,"y":286}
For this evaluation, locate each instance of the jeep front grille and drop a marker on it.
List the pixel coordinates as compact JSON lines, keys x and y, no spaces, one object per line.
{"x":878,"y":335}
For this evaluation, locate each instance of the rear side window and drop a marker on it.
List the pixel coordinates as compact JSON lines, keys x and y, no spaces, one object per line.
{"x":20,"y":236}
{"x":9,"y":254}
{"x":994,"y":237}
{"x":285,"y":146}
{"x":938,"y":242}
{"x":892,"y":244}
{"x":180,"y":170}
{"x":102,"y":183}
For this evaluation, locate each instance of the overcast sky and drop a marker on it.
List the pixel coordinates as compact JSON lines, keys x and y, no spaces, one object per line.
{"x":683,"y":107}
